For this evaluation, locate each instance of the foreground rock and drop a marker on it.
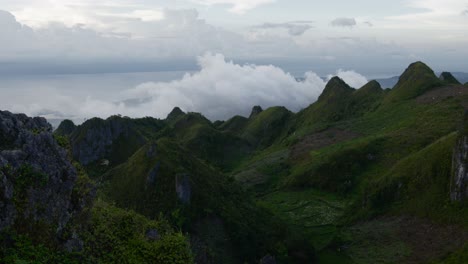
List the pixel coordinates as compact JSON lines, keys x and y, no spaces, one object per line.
{"x":459,"y":184}
{"x":38,"y":185}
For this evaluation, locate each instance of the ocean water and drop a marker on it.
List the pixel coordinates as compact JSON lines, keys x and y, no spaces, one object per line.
{"x":39,"y":94}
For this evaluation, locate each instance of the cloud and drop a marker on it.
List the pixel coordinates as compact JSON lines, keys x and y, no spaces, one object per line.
{"x":352,"y":78}
{"x":173,"y":33}
{"x":465,"y":12}
{"x":172,"y":39}
{"x":343,"y":22}
{"x":432,"y":15}
{"x":368,"y":23}
{"x":220,"y":90}
{"x":295,"y":28}
{"x":237,"y":6}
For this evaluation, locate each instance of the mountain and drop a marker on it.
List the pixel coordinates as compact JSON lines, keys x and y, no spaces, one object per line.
{"x":364,"y":175}
{"x":417,"y":79}
{"x":49,"y":213}
{"x":392,"y":81}
{"x":449,"y":78}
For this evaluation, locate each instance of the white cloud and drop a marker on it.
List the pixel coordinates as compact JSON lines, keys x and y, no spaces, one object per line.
{"x":296,"y":28}
{"x":173,"y":33}
{"x":432,"y":14}
{"x":343,"y":22}
{"x":237,"y":6}
{"x":352,"y":78}
{"x":220,"y":90}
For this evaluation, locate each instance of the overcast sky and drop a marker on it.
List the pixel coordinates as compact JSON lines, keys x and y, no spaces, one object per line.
{"x":383,"y":35}
{"x":222,"y":43}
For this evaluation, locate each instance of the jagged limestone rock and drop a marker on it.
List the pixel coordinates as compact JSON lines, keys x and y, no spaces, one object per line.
{"x":174,"y":114}
{"x":255,"y":111}
{"x":448,"y":78}
{"x":183,"y":187}
{"x":459,"y":184}
{"x":65,"y":128}
{"x":99,"y":139}
{"x":37,"y":180}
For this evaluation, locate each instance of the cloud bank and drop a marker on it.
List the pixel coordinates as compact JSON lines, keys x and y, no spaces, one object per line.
{"x":220,"y":90}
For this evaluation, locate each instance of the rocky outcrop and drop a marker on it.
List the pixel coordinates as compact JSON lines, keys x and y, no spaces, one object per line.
{"x":417,"y":79}
{"x":256,"y":110}
{"x":459,"y":183}
{"x":65,"y":128}
{"x":335,"y":89}
{"x":183,"y":187}
{"x":448,"y":78}
{"x":268,"y":259}
{"x":174,"y":114}
{"x":37,"y":181}
{"x":99,"y":139}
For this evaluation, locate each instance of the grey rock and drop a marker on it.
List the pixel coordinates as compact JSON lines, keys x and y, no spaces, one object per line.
{"x":256,"y":110}
{"x":47,"y":188}
{"x":93,"y":140}
{"x":152,"y":235}
{"x":152,"y":176}
{"x":183,"y":187}
{"x":151,"y":152}
{"x":74,"y":244}
{"x":268,"y":259}
{"x":459,"y":185}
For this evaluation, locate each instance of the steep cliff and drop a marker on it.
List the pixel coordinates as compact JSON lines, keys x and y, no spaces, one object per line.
{"x":39,"y":193}
{"x":459,"y":184}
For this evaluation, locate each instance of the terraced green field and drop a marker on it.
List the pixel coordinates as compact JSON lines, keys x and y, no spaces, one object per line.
{"x":312,"y":213}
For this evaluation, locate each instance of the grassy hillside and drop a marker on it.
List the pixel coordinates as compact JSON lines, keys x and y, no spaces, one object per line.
{"x":360,"y":176}
{"x":379,"y":153}
{"x":147,"y":183}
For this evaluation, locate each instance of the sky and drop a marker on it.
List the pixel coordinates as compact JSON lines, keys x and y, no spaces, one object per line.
{"x":288,"y":38}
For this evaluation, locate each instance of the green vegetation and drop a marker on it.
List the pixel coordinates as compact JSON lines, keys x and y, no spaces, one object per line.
{"x":20,"y":249}
{"x":115,"y":235}
{"x":342,"y":181}
{"x":417,"y":79}
{"x":146,"y":183}
{"x":448,"y":78}
{"x":65,"y":128}
{"x":112,"y":236}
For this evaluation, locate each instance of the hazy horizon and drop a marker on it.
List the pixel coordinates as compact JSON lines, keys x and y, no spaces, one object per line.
{"x":78,"y":58}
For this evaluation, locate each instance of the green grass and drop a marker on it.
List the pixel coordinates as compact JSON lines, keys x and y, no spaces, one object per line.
{"x":417,"y":79}
{"x":375,"y":242}
{"x":313,"y":212}
{"x":419,"y":185}
{"x":265,"y":128}
{"x":115,"y":235}
{"x":460,"y":256}
{"x":253,"y":231}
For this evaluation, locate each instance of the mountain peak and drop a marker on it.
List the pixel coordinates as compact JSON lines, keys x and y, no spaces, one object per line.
{"x":335,"y":88}
{"x":448,"y":78}
{"x":255,"y":111}
{"x":175,"y":113}
{"x":65,"y":128}
{"x":371,"y":86}
{"x":416,"y":80}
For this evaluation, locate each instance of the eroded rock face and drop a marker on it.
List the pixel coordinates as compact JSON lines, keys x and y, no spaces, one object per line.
{"x":459,"y":190}
{"x":256,"y":110}
{"x":36,"y":178}
{"x":183,"y":187}
{"x":459,"y":184}
{"x":94,"y":140}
